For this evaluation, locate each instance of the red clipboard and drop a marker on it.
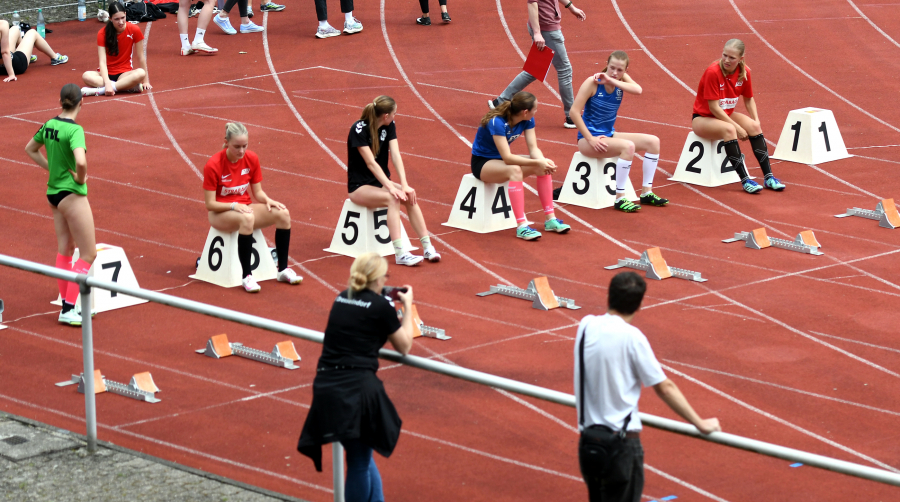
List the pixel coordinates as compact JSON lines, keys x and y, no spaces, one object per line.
{"x":538,"y":62}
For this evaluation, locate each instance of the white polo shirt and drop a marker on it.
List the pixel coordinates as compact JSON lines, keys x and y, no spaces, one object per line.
{"x":617,"y":361}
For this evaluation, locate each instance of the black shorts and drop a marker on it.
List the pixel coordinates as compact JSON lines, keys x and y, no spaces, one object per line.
{"x":19,"y":63}
{"x":695,"y":116}
{"x":351,"y":187}
{"x":115,"y":78}
{"x":56,"y":198}
{"x":478,"y":164}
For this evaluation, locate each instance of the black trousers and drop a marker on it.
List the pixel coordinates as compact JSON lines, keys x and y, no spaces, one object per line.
{"x":621,"y":481}
{"x":322,"y":9}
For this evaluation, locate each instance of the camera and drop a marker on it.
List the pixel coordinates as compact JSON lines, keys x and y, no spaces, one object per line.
{"x":393,"y":292}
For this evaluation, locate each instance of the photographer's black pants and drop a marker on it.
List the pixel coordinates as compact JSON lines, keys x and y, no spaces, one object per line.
{"x":621,"y":481}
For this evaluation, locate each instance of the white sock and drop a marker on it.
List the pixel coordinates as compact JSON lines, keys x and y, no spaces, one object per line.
{"x":198,"y":37}
{"x":348,"y":17}
{"x":102,"y":90}
{"x":184,"y":41}
{"x":323,"y":24}
{"x":398,"y":247}
{"x":623,"y":169}
{"x":650,"y":162}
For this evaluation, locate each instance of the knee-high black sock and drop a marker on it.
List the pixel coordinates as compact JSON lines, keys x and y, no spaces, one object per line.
{"x":245,"y":246}
{"x":761,"y":150}
{"x":733,"y":152}
{"x":282,"y":246}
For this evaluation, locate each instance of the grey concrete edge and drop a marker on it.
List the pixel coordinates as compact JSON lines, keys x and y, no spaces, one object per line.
{"x":151,"y":458}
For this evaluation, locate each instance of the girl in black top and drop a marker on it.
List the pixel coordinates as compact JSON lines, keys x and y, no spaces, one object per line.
{"x":369,"y":179}
{"x":349,"y":402}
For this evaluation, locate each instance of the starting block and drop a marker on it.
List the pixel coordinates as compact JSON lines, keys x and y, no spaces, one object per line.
{"x":283,"y":355}
{"x":810,"y":136}
{"x":470,"y":208}
{"x":704,"y":163}
{"x":141,"y":387}
{"x":885,"y":212}
{"x":592,"y":183}
{"x":419,"y":327}
{"x":357,"y":232}
{"x":652,"y":261}
{"x":804,"y":243}
{"x":112,"y":265}
{"x":219,"y":264}
{"x":538,"y":292}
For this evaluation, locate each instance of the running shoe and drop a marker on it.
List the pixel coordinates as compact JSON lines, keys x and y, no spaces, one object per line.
{"x":33,"y":59}
{"x":250,"y":284}
{"x":751,"y":186}
{"x":527,"y":233}
{"x":202,"y":47}
{"x":408,"y":259}
{"x":493,"y":103}
{"x":556,"y":225}
{"x":445,"y":17}
{"x":225,"y":24}
{"x":70,"y":318}
{"x":287,"y":275}
{"x":568,"y":124}
{"x":432,"y":255}
{"x":651,"y":199}
{"x":626,"y":205}
{"x":774,"y":183}
{"x":136,"y":89}
{"x":77,"y":311}
{"x":424,"y":21}
{"x":88,"y":91}
{"x":327,"y":32}
{"x":354,"y":27}
{"x":251,"y":27}
{"x":271,"y":7}
{"x":194,"y":11}
{"x":250,"y":12}
{"x":187,"y":52}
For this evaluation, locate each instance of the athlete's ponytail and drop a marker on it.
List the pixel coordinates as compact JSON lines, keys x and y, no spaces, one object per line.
{"x":366,"y":269}
{"x":521,"y":101}
{"x":620,"y":55}
{"x":735,"y":43}
{"x":69,"y":97}
{"x":380,"y":106}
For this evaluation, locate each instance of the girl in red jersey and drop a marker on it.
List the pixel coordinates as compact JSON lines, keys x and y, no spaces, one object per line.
{"x":116,"y":42}
{"x":228,"y":178}
{"x":715,"y":119}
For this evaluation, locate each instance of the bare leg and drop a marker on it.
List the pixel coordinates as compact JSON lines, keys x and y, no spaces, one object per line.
{"x":416,"y":219}
{"x":374,"y":197}
{"x":65,"y":245}
{"x":264,"y":218}
{"x":77,"y":213}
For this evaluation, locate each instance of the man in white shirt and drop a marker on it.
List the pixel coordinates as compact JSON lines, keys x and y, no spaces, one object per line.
{"x":616,"y":360}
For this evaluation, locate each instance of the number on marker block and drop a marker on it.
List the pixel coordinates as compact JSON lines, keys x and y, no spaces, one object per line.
{"x":705,"y":163}
{"x":117,"y":266}
{"x":351,"y":224}
{"x":592,"y":183}
{"x":727,"y":167}
{"x":800,"y":140}
{"x":470,"y":207}
{"x":468,"y":203}
{"x":357,"y":232}
{"x":610,"y":168}
{"x":824,"y":131}
{"x":500,"y":205}
{"x":110,"y":258}
{"x":381,"y":221}
{"x":217,"y":252}
{"x":254,"y":255}
{"x":796,"y":129}
{"x":587,"y":183}
{"x":690,"y":167}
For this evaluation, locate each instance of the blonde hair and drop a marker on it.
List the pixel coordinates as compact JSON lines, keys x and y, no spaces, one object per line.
{"x":233,"y":129}
{"x":378,"y":107}
{"x":735,"y":43}
{"x":521,"y":101}
{"x":366,"y":269}
{"x":621,"y":56}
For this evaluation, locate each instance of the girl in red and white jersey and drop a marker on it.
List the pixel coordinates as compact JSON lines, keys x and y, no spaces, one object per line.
{"x":229,"y":178}
{"x":116,"y":43}
{"x":715,"y":119}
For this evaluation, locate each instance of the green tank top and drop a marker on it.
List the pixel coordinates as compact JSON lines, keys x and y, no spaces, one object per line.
{"x":60,"y":137}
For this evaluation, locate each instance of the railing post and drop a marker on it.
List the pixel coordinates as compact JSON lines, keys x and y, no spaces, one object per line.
{"x":87,"y":345}
{"x":337,"y":463}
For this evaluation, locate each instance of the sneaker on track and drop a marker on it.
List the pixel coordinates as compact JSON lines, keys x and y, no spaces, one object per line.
{"x":289,"y":276}
{"x":251,"y":27}
{"x":432,"y":255}
{"x":556,"y":225}
{"x":327,"y":32}
{"x":493,"y":103}
{"x":568,"y":124}
{"x":250,"y":12}
{"x":225,"y":24}
{"x":271,"y":7}
{"x":424,"y":21}
{"x":751,"y":186}
{"x":445,"y":17}
{"x":527,"y":233}
{"x":139,"y":88}
{"x":408,"y":259}
{"x":626,"y":205}
{"x":203,"y":47}
{"x":354,"y":27}
{"x":651,"y":199}
{"x":33,"y":59}
{"x":250,"y":284}
{"x":70,"y":318}
{"x":187,"y":52}
{"x":194,"y":11}
{"x":774,"y":183}
{"x":88,"y":91}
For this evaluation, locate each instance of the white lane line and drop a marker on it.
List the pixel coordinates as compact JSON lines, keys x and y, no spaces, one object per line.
{"x":881,"y":347}
{"x":247,"y":87}
{"x":880,"y":160}
{"x":866,"y":147}
{"x":114,"y":138}
{"x":805,"y":19}
{"x":176,"y":110}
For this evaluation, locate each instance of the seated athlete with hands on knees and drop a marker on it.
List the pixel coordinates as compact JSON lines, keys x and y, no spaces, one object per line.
{"x":493,"y":162}
{"x":715,"y":119}
{"x":116,"y":43}
{"x":229,"y":178}
{"x":600,"y":97}
{"x":371,"y":140}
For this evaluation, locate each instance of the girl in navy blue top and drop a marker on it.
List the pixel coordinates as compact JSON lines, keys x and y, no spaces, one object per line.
{"x":600,"y":97}
{"x":492,"y":161}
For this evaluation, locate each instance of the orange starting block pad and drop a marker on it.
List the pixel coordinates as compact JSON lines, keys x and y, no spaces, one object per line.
{"x":885,"y":212}
{"x":656,"y":267}
{"x":141,"y":387}
{"x":804,"y":243}
{"x":283,"y":355}
{"x":419,"y":327}
{"x":538,"y":292}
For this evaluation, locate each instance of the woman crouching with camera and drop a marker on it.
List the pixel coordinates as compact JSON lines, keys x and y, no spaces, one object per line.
{"x":349,"y":402}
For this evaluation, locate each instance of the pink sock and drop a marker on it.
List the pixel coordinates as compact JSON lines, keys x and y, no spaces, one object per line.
{"x":545,"y":192}
{"x":63,"y":263}
{"x":80,"y":267}
{"x":517,"y":200}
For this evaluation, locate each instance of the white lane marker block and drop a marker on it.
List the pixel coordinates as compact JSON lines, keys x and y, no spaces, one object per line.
{"x":810,"y":136}
{"x":219,"y":263}
{"x":481,"y":207}
{"x":111,"y":264}
{"x":362,"y":230}
{"x":592,"y":183}
{"x":704,"y":163}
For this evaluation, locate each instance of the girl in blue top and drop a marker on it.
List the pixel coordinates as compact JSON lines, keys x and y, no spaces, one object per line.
{"x":492,"y":161}
{"x":600,"y":97}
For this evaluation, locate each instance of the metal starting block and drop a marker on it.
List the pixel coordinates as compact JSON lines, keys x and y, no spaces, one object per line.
{"x":141,"y":386}
{"x":885,"y":213}
{"x":538,"y":292}
{"x":283,"y":355}
{"x":652,"y":261}
{"x":804,"y":243}
{"x":419,"y":327}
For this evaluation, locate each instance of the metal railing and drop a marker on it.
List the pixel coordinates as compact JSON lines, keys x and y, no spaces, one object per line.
{"x":723,"y":438}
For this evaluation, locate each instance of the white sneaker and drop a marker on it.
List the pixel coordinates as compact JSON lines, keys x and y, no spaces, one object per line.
{"x":186,"y":52}
{"x":432,"y":255}
{"x":354,"y":27}
{"x":136,"y":89}
{"x":327,"y":32}
{"x":70,"y":318}
{"x":250,"y":284}
{"x":409,"y":259}
{"x":287,"y":275}
{"x":88,"y":91}
{"x":224,"y":24}
{"x":202,"y":47}
{"x":251,"y":27}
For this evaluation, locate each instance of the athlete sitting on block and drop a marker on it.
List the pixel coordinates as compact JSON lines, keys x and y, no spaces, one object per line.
{"x":600,"y":97}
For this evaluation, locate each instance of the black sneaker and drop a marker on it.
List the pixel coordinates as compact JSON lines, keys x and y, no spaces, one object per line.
{"x":250,"y":12}
{"x":568,"y":124}
{"x":424,"y":21}
{"x":651,"y":199}
{"x":493,"y":103}
{"x":445,"y":17}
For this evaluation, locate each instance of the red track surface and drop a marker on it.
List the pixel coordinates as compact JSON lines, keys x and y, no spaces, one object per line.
{"x":744,"y":346}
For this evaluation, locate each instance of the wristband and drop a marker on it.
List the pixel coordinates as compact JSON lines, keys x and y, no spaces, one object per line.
{"x":569,"y":5}
{"x":232,"y":205}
